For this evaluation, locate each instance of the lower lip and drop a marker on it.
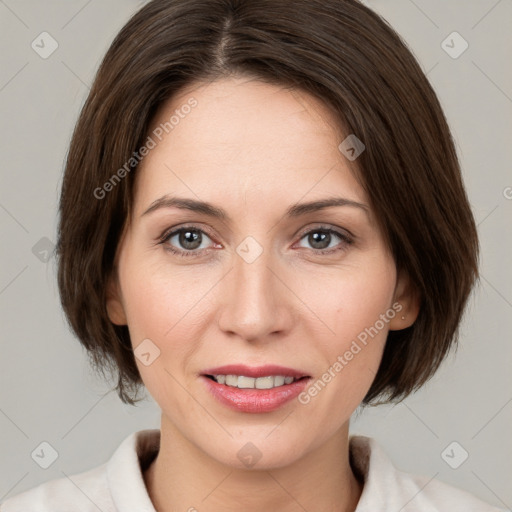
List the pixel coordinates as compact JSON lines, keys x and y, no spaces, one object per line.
{"x":255,"y":400}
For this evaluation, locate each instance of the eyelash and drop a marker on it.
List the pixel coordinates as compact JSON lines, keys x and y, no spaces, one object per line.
{"x":346,"y":240}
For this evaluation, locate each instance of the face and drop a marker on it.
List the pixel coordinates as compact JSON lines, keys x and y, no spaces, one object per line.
{"x":255,"y":285}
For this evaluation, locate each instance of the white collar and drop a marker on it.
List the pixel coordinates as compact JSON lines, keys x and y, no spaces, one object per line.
{"x":384,"y":487}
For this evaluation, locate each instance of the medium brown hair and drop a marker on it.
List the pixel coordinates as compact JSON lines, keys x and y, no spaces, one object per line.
{"x":337,"y":50}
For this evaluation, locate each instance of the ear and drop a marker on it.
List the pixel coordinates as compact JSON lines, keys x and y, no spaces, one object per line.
{"x":407,"y":300}
{"x":115,"y":308}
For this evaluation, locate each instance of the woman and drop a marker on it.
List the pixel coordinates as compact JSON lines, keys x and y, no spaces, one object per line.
{"x":263,"y":222}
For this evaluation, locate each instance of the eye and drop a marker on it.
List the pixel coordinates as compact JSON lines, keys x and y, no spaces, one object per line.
{"x":192,"y":241}
{"x":185,"y":241}
{"x":323,"y":238}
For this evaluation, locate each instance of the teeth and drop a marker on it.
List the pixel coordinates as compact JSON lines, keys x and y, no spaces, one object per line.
{"x":232,"y":380}
{"x":246,"y":382}
{"x":243,"y":382}
{"x":264,"y":382}
{"x":278,"y":380}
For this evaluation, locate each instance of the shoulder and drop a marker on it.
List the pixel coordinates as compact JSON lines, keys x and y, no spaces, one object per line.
{"x":84,"y":492}
{"x":116,"y":485}
{"x":387,"y":488}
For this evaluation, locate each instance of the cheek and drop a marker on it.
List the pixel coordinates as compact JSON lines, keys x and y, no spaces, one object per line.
{"x":164,"y":305}
{"x":357,"y":307}
{"x":353,"y":301}
{"x":159,"y":308}
{"x":160,"y":299}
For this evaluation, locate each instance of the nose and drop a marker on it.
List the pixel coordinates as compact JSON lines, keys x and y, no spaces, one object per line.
{"x":256,"y":304}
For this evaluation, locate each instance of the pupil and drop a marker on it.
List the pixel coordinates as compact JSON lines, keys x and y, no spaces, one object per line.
{"x":188,"y":239}
{"x":320,"y":238}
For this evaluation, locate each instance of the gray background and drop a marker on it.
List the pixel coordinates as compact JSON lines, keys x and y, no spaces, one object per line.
{"x":48,"y":393}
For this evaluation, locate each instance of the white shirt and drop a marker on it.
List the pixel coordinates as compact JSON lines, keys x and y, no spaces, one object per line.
{"x":118,"y":485}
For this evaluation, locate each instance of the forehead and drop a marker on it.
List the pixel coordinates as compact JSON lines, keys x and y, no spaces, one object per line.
{"x":245,"y":137}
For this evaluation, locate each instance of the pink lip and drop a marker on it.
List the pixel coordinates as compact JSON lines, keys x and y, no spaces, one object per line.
{"x":254,"y":400}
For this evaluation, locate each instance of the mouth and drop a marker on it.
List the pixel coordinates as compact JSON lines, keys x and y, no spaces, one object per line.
{"x":245,"y":382}
{"x":254,"y":389}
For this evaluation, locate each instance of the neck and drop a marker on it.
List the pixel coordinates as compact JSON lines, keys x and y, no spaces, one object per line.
{"x":182,"y":477}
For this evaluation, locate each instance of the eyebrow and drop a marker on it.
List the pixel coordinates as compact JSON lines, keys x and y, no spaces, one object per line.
{"x":210,"y":210}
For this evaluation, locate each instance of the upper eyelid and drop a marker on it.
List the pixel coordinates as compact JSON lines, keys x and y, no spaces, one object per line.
{"x":174,"y":230}
{"x":326,"y":227}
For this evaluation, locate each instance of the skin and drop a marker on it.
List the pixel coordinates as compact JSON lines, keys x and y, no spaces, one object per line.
{"x":253,"y":149}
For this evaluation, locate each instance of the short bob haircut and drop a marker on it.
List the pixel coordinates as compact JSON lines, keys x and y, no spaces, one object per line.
{"x":340,"y":52}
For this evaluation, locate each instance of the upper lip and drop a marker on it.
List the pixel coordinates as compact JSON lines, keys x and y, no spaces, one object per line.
{"x":255,"y":371}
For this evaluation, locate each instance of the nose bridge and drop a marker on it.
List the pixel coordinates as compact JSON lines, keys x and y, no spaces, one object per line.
{"x":253,"y":305}
{"x":254,"y":278}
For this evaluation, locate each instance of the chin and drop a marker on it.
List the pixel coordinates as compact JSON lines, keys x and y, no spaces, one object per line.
{"x":253,"y":457}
